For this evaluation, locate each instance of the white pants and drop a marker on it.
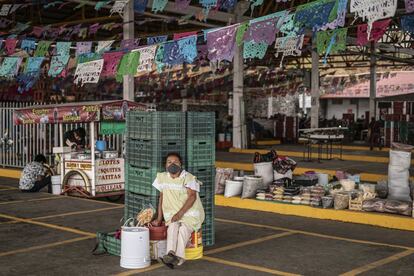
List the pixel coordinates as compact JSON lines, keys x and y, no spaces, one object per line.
{"x":178,"y":235}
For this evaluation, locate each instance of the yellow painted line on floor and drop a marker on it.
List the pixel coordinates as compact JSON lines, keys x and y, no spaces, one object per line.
{"x":8,"y":189}
{"x":48,"y":225}
{"x":246,"y":243}
{"x":348,"y":157}
{"x":31,"y":200}
{"x":366,"y":177}
{"x":249,"y":267}
{"x":137,"y":271}
{"x":369,"y":218}
{"x":49,"y":245}
{"x":9,"y":222}
{"x":379,"y":263}
{"x":10,"y":173}
{"x":347,"y":147}
{"x":78,"y":212}
{"x":268,"y":142}
{"x":312,"y":233}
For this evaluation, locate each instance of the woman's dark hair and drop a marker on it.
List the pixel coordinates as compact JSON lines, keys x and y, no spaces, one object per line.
{"x":176,"y":154}
{"x":81,"y":131}
{"x":40,"y":158}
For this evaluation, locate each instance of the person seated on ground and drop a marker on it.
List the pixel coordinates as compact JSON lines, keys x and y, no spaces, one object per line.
{"x":180,"y":206}
{"x":33,"y":177}
{"x":75,"y":139}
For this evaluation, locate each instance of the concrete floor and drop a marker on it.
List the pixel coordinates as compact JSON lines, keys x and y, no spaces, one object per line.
{"x":42,"y":234}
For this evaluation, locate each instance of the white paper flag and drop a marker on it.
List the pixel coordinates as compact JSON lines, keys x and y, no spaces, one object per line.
{"x":146,"y":58}
{"x":103,"y":46}
{"x":88,"y":72}
{"x":5,"y":9}
{"x":119,"y":7}
{"x":289,"y":46}
{"x":373,"y":10}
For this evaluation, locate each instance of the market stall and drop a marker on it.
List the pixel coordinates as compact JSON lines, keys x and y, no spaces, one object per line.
{"x":92,"y":171}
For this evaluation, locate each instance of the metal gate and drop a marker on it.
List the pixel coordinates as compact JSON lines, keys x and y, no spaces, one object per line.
{"x":20,"y":143}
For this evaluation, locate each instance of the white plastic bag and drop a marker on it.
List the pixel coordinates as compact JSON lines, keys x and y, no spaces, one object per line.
{"x":400,"y":158}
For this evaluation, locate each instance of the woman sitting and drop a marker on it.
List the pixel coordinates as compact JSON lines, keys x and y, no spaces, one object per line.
{"x":180,"y":206}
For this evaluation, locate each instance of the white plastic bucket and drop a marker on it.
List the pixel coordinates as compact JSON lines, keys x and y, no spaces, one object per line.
{"x":135,"y":247}
{"x":158,"y":249}
{"x":323,"y":178}
{"x":221,"y":137}
{"x":265,"y":170}
{"x":233,"y":188}
{"x":56,"y":184}
{"x":239,"y":178}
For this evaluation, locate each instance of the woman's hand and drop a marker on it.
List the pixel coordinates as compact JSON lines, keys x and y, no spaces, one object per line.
{"x":176,"y":217}
{"x":156,"y":222}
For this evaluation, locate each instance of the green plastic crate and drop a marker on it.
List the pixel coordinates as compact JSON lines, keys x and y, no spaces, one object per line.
{"x":208,"y":233}
{"x":108,"y":243}
{"x":139,"y":180}
{"x":152,"y":153}
{"x":206,"y":174}
{"x":201,"y":152}
{"x":134,"y":203}
{"x":208,"y":205}
{"x":201,"y":125}
{"x":156,"y":125}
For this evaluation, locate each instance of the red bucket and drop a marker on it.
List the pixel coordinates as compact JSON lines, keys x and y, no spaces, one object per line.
{"x":158,"y":233}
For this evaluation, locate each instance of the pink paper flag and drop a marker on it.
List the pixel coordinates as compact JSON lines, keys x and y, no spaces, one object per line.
{"x":93,"y":29}
{"x":182,"y":5}
{"x":10,"y":45}
{"x":111,"y":61}
{"x":181,"y":35}
{"x":409,"y":6}
{"x":378,"y":30}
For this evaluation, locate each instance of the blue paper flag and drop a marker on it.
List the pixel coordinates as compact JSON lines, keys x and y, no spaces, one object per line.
{"x":407,"y":23}
{"x":33,"y":65}
{"x":172,"y":53}
{"x":63,"y":48}
{"x":28,"y":45}
{"x":156,"y":39}
{"x":57,"y":65}
{"x":10,"y":66}
{"x":188,"y":48}
{"x":140,"y":5}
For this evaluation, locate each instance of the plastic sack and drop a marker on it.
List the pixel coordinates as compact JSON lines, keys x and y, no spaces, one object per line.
{"x":283,"y":164}
{"x":400,"y":158}
{"x":398,"y":207}
{"x":382,"y":189}
{"x":250,"y":186}
{"x":277,"y":176}
{"x":341,"y":201}
{"x":401,"y":147}
{"x":398,"y":183}
{"x":220,"y":181}
{"x":374,"y":205}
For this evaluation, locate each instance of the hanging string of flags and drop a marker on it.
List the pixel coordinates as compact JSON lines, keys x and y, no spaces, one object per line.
{"x":95,"y":59}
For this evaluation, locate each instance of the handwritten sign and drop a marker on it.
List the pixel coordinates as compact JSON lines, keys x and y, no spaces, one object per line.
{"x":88,"y":72}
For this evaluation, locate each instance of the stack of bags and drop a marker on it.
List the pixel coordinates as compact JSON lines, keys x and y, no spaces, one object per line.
{"x":289,"y":193}
{"x":263,"y":195}
{"x":306,"y":196}
{"x":278,"y":194}
{"x":317,"y":192}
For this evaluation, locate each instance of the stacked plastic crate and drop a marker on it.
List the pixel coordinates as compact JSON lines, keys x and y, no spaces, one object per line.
{"x":200,"y":162}
{"x":150,"y":136}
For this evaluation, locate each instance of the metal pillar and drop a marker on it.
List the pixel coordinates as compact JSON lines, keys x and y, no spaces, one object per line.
{"x":372,"y":83}
{"x":315,"y":86}
{"x":184,"y":105}
{"x":128,"y":20}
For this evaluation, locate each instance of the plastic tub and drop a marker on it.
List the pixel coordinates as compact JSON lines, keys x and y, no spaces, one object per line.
{"x":323,"y":178}
{"x":233,"y":188}
{"x":56,"y":184}
{"x":265,"y":170}
{"x":135,"y":247}
{"x":158,"y":233}
{"x":194,"y":253}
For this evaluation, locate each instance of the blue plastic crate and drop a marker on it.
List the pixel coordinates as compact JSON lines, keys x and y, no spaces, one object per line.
{"x":156,"y":125}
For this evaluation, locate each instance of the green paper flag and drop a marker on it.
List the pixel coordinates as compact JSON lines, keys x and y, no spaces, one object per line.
{"x":128,"y":65}
{"x":331,"y":42}
{"x":240,"y":33}
{"x":42,"y":48}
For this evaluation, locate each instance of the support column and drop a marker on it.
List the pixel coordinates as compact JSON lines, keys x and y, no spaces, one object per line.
{"x":315,"y":86}
{"x":184,"y":105}
{"x":239,"y":117}
{"x":372,"y":83}
{"x":128,"y":20}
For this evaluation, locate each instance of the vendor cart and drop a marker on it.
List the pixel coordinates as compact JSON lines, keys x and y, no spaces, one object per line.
{"x":87,"y":172}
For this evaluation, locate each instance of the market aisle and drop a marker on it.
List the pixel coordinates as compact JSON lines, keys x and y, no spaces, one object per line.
{"x":61,"y":231}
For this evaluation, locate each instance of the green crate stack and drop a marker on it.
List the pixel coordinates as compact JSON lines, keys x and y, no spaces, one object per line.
{"x":201,"y":155}
{"x":150,"y":137}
